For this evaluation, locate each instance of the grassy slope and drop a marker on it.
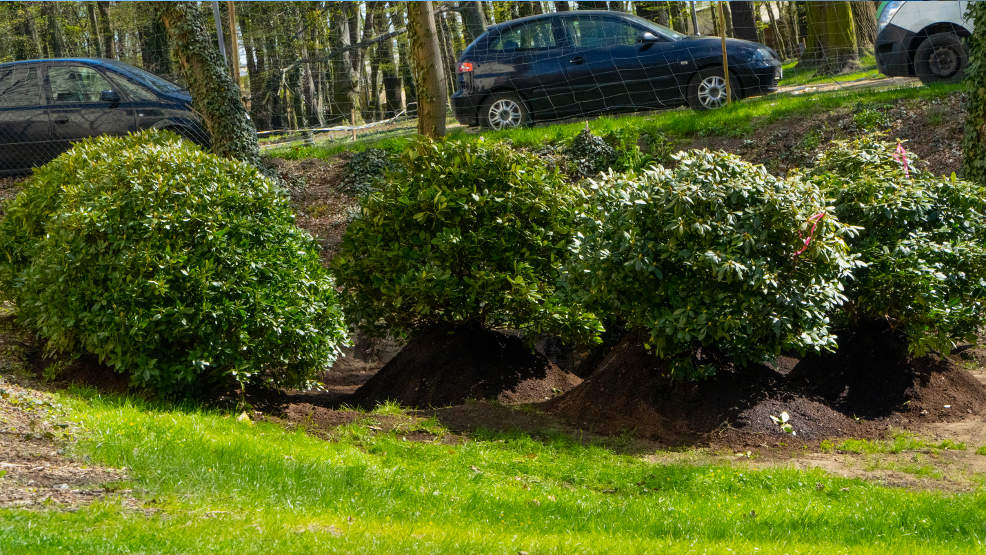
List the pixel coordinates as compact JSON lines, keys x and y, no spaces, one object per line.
{"x":735,"y":120}
{"x":218,"y":485}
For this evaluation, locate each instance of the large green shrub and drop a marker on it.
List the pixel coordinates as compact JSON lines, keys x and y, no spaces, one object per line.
{"x":923,"y":242}
{"x":704,"y":261}
{"x":463,"y":234}
{"x":180,"y":268}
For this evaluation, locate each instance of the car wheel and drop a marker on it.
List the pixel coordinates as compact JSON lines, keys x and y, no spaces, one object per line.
{"x":707,"y":89}
{"x":941,"y":57}
{"x":503,"y":111}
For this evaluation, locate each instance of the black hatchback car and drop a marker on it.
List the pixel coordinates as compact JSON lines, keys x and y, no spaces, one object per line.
{"x":45,"y":105}
{"x":584,"y":62}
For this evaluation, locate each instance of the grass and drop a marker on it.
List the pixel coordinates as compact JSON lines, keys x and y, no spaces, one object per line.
{"x":211,"y":483}
{"x":807,"y":76}
{"x":736,"y":120}
{"x":981,"y":450}
{"x":902,"y":441}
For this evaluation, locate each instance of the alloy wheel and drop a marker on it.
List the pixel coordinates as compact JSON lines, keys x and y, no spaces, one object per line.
{"x":505,"y":113}
{"x":712,"y":91}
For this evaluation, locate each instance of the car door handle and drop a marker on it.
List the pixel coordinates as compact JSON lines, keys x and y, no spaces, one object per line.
{"x":577,"y":60}
{"x":60,"y":120}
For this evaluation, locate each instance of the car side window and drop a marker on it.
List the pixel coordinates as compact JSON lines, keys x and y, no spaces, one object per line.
{"x":19,"y":86}
{"x":536,"y":35}
{"x":593,"y":31}
{"x":134,"y":91}
{"x":76,"y":84}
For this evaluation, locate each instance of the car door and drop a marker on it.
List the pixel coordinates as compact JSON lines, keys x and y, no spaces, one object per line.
{"x":77,"y":107}
{"x":612,"y":67}
{"x":532,"y":54}
{"x":25,"y":132}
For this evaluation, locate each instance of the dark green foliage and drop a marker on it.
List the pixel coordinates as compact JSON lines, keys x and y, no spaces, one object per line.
{"x":590,"y":154}
{"x":974,"y":141}
{"x":366,"y":170}
{"x":701,"y":261}
{"x":922,"y":241}
{"x":179,"y":268}
{"x":463,"y":234}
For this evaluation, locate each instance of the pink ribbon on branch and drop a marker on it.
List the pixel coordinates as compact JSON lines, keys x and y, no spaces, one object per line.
{"x":901,"y":156}
{"x":811,"y":234}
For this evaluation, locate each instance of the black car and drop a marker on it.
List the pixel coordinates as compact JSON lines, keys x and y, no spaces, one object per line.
{"x":45,"y":105}
{"x":566,"y":64}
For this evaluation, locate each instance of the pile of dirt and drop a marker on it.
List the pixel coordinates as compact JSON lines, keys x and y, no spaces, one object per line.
{"x":445,"y":367}
{"x":872,"y":376}
{"x":823,"y":397}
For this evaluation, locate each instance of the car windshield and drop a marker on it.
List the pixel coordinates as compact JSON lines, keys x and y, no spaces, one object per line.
{"x":660,"y":30}
{"x":148,"y":79}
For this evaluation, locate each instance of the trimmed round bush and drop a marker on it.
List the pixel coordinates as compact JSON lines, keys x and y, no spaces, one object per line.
{"x":923,"y":242}
{"x":179,"y":268}
{"x":464,"y":234}
{"x":715,"y":261}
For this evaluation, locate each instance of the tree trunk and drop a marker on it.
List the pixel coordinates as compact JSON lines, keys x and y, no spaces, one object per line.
{"x":94,"y":26}
{"x":473,"y":19}
{"x":154,"y":53}
{"x":562,"y":6}
{"x":831,"y":41}
{"x":106,"y":30}
{"x":974,"y":142}
{"x":593,"y":5}
{"x":388,"y":70}
{"x":426,"y":61}
{"x":345,"y":76}
{"x":744,"y":22}
{"x":654,"y":11}
{"x":864,"y":18}
{"x":215,"y":95}
{"x":398,"y":15}
{"x":53,"y":30}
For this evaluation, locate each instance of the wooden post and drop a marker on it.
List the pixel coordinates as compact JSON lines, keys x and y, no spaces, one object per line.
{"x":725,"y":59}
{"x":234,"y":55}
{"x":353,"y":123}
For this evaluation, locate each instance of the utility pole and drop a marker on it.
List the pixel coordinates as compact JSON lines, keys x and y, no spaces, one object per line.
{"x":219,"y":31}
{"x":234,"y":47}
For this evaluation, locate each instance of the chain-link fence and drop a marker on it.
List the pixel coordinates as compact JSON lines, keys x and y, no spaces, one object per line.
{"x":315,"y":71}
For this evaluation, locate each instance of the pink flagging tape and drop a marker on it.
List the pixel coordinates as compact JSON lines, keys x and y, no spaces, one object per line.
{"x":901,"y":156}
{"x":811,"y":234}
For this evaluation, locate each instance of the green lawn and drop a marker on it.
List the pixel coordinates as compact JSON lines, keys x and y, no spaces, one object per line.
{"x":736,"y":120}
{"x":804,"y":76}
{"x":214,"y":484}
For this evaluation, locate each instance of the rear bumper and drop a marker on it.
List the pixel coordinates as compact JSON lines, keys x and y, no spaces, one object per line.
{"x":465,"y":107}
{"x":893,"y":56}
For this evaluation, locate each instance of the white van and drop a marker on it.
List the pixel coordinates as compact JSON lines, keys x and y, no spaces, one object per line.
{"x":926,"y":39}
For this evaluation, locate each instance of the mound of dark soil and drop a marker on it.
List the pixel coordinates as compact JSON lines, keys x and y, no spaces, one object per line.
{"x":446,"y":367}
{"x":872,"y":376}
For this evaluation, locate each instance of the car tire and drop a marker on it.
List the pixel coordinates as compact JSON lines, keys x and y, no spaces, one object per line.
{"x":706,"y":90}
{"x":941,"y":57}
{"x":503,"y":110}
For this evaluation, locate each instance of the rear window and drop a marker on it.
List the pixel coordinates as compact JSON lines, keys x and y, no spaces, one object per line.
{"x":19,"y":86}
{"x":536,"y":35}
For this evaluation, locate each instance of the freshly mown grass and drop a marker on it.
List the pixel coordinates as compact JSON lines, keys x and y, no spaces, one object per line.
{"x":807,"y":76}
{"x":902,"y":441}
{"x":736,"y":120}
{"x":210,"y":483}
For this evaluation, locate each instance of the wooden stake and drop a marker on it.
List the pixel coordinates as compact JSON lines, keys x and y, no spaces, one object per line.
{"x":353,"y":122}
{"x":725,"y":59}
{"x":234,"y":54}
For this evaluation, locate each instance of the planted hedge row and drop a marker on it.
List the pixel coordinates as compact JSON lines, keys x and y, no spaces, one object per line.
{"x":187,"y":272}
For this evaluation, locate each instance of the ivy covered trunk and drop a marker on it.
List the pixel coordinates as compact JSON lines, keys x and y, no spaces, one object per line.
{"x":830,"y":45}
{"x":744,"y":21}
{"x":426,"y":61}
{"x":214,"y":94}
{"x":864,"y":18}
{"x":974,"y":143}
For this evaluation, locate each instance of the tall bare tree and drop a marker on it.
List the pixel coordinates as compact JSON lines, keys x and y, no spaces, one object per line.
{"x":426,"y":61}
{"x":215,"y":95}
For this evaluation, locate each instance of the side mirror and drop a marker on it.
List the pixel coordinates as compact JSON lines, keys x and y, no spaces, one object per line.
{"x":109,"y":96}
{"x":648,"y":37}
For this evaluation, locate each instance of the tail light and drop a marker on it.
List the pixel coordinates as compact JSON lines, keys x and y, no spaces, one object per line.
{"x":465,"y":67}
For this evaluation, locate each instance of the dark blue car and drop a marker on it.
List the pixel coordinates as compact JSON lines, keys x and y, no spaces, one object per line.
{"x":585,"y":62}
{"x":46,"y":105}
